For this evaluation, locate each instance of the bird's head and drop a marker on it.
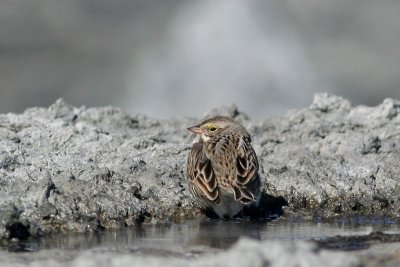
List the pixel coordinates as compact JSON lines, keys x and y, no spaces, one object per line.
{"x":211,"y":127}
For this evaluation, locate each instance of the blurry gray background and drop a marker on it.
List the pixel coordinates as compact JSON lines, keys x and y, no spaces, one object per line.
{"x":175,"y":58}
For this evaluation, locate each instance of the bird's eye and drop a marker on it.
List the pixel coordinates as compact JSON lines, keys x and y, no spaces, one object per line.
{"x":212,"y":129}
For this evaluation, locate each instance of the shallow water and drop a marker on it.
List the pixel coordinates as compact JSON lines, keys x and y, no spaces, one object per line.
{"x":197,"y":237}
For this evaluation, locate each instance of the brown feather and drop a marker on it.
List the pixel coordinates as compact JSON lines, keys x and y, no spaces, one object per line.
{"x":201,"y":174}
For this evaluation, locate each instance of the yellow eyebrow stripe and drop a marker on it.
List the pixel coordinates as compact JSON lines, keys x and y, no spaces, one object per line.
{"x":210,"y":125}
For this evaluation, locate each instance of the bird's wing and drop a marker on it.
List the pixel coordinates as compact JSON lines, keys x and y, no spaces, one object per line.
{"x":201,"y":176}
{"x":247,"y":171}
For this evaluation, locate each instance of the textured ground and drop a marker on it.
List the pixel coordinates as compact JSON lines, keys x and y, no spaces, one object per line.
{"x":245,"y":253}
{"x":83,"y":169}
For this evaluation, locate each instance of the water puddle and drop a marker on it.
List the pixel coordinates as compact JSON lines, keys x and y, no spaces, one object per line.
{"x":197,"y":237}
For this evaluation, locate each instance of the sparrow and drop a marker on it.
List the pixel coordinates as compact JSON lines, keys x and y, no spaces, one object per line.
{"x":222,"y":167}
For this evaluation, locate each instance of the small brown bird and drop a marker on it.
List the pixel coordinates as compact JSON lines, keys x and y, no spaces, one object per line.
{"x":222,"y":167}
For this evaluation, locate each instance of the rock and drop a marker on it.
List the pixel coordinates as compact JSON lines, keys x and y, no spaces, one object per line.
{"x":327,"y":103}
{"x":334,"y":158}
{"x":246,"y":252}
{"x":85,"y":169}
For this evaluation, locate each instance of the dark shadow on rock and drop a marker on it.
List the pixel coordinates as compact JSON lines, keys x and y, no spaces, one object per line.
{"x":270,"y":207}
{"x":18,"y":230}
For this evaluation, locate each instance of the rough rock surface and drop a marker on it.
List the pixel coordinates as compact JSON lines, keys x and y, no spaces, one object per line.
{"x":246,"y":252}
{"x":83,"y":169}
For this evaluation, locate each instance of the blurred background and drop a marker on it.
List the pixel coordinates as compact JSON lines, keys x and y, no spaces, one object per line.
{"x":181,"y":58}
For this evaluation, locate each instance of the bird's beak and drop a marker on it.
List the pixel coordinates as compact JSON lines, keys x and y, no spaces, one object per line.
{"x":195,"y":129}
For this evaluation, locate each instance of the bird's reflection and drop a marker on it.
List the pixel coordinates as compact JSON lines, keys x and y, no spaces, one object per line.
{"x":222,"y":234}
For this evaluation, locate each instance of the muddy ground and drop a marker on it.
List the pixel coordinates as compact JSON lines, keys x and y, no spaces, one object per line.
{"x":82,"y":169}
{"x":65,"y":168}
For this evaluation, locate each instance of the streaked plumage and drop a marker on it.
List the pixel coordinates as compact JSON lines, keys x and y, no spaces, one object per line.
{"x":222,"y":167}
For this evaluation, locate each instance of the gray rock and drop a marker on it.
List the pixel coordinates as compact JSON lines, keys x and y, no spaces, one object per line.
{"x":246,"y":252}
{"x":84,"y":169}
{"x":334,"y":158}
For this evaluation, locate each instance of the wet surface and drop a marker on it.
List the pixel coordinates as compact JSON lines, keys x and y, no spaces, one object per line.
{"x":197,"y":237}
{"x":358,"y":242}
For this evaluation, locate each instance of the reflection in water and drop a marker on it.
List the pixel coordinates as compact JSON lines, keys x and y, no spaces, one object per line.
{"x":222,"y":234}
{"x":190,"y":236}
{"x":196,"y":237}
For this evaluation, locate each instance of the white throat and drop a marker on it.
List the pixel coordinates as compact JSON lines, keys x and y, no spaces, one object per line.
{"x":205,"y":138}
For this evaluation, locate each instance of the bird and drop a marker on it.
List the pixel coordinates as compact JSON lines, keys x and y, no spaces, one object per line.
{"x":222,"y":167}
